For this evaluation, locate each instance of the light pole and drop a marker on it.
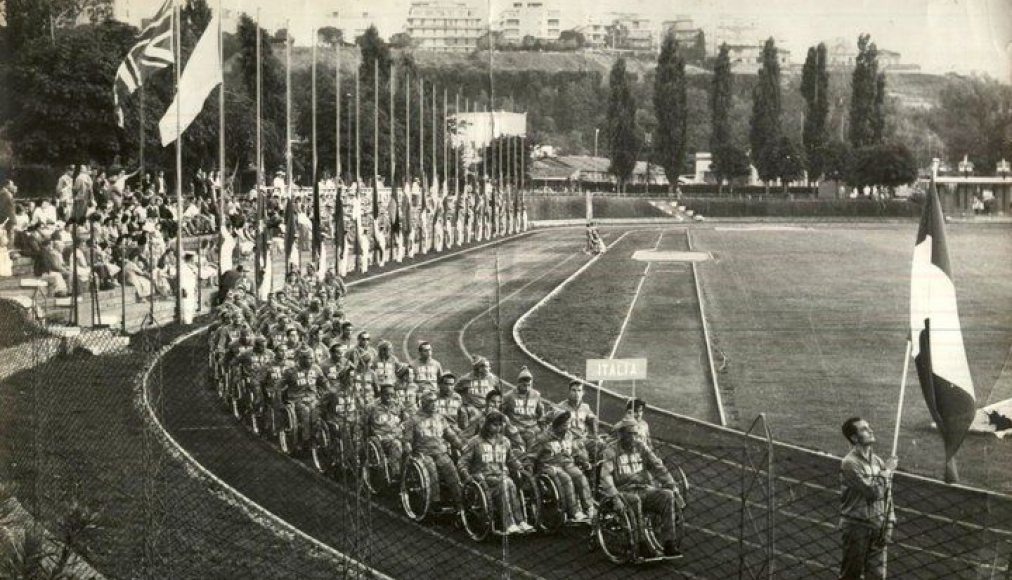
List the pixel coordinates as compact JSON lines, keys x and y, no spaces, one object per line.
{"x":1003,"y":170}
{"x":596,"y":133}
{"x":966,"y":168}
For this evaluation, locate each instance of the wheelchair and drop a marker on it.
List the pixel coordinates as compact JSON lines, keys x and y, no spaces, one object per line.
{"x":340,"y":450}
{"x":481,"y":519}
{"x":614,"y":532}
{"x":286,"y":430}
{"x":376,"y":473}
{"x":551,"y":505}
{"x":242,"y":401}
{"x":416,"y":485}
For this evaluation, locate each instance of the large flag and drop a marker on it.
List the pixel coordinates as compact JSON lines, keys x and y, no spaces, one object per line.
{"x":339,"y":228}
{"x":290,"y":225}
{"x":201,"y":75}
{"x":266,"y":269}
{"x":937,"y":339}
{"x":152,"y":52}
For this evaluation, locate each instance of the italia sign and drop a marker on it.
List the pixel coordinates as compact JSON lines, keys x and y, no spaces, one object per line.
{"x":616,"y":369}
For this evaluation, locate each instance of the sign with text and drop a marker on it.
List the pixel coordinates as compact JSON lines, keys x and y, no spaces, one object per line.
{"x":616,"y":369}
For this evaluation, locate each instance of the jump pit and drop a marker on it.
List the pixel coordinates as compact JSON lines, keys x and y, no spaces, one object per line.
{"x":670,"y":256}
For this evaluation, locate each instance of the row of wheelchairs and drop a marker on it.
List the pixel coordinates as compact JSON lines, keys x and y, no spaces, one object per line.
{"x":332,"y":449}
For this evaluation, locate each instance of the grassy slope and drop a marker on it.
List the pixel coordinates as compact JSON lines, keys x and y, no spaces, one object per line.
{"x":813,"y":324}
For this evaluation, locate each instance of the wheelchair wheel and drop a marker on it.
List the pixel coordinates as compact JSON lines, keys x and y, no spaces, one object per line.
{"x":615,"y":534}
{"x":286,"y":434}
{"x":552,"y":513}
{"x":234,"y":407}
{"x":415,"y":488}
{"x":376,"y":472}
{"x":318,"y":450}
{"x":530,"y":498}
{"x":476,"y":515}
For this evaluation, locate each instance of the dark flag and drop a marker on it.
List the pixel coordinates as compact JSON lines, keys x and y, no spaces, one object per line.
{"x":338,"y":228}
{"x":152,"y":52}
{"x":938,"y":348}
{"x":406,"y":225}
{"x":317,"y":233}
{"x":290,"y":225}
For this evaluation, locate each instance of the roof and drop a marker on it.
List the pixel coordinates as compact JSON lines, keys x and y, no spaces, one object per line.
{"x":569,"y":166}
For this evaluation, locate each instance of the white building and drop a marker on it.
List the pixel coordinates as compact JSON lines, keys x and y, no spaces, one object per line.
{"x":445,"y":25}
{"x":748,"y":58}
{"x":638,"y":32}
{"x":540,"y":19}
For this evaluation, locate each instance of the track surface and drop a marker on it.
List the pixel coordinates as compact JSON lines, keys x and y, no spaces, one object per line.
{"x":438,"y":303}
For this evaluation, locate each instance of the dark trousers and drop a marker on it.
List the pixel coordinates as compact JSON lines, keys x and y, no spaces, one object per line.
{"x":863,"y":555}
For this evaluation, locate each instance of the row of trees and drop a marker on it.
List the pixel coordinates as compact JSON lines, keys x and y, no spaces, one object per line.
{"x":774,"y":150}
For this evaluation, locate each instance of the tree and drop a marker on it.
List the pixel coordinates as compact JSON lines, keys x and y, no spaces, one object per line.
{"x":623,"y":142}
{"x":721,"y":101}
{"x":272,"y":79}
{"x":884,"y":164}
{"x":497,"y":40}
{"x":62,"y":111}
{"x":837,"y":158}
{"x":571,"y":40}
{"x":974,"y":118}
{"x":790,"y":161}
{"x":670,"y":109}
{"x":765,"y":131}
{"x":698,"y":51}
{"x":729,"y":162}
{"x":281,"y":34}
{"x":867,"y":116}
{"x":815,"y":90}
{"x":330,"y":36}
{"x":401,"y":40}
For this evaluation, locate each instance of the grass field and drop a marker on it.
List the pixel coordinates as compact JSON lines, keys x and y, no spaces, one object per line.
{"x":812,"y":321}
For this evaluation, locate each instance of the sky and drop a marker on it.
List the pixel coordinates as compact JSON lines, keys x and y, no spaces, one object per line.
{"x":964,"y":36}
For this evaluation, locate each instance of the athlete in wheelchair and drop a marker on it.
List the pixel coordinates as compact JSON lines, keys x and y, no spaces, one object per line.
{"x":384,"y":447}
{"x":492,"y":501}
{"x":254,"y":365}
{"x":639,"y":521}
{"x":301,"y":402}
{"x":342,"y":414}
{"x":560,"y":466}
{"x":429,"y":473}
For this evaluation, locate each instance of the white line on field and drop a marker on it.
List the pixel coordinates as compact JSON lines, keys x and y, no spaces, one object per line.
{"x":706,"y":336}
{"x":636,"y":297}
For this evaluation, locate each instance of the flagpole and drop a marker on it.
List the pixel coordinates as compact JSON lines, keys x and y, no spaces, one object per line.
{"x":141,"y":131}
{"x":456,"y":148}
{"x":179,"y":171}
{"x":903,"y":388}
{"x":421,"y":137}
{"x":375,"y":128}
{"x":288,"y":119}
{"x":435,"y":178}
{"x":446,"y":151}
{"x":221,"y":134}
{"x":337,"y":113}
{"x":358,"y":132}
{"x":407,"y":130}
{"x":393,"y":166}
{"x":317,"y":241}
{"x":258,"y":270}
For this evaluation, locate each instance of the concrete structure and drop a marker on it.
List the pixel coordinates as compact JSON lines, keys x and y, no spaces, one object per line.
{"x":732,"y":31}
{"x":445,"y":25}
{"x":842,"y":54}
{"x":684,"y":29}
{"x":748,"y":58}
{"x":576,"y":171}
{"x":540,"y":19}
{"x":639,"y":32}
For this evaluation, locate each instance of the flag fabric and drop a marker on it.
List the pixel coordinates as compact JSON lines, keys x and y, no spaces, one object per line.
{"x":339,"y":225}
{"x":321,"y":272}
{"x":201,"y":75}
{"x":290,"y":226}
{"x":317,"y":230}
{"x":938,"y":350}
{"x":266,"y":270}
{"x":152,"y":52}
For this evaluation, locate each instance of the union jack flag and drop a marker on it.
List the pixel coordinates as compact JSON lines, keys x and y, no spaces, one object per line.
{"x":153,"y":51}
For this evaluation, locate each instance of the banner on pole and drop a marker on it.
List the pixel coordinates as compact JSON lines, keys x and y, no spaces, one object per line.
{"x":616,"y":369}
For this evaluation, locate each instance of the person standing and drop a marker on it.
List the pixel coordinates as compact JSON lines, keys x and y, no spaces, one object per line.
{"x":866,"y":511}
{"x":65,"y":186}
{"x":7,"y":222}
{"x":188,"y":284}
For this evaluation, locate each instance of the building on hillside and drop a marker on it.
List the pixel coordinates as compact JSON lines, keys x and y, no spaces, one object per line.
{"x":842,"y":54}
{"x":619,"y":31}
{"x":683,"y":28}
{"x":445,"y":25}
{"x":539,"y":19}
{"x":731,"y":30}
{"x":748,"y":58}
{"x":352,"y":21}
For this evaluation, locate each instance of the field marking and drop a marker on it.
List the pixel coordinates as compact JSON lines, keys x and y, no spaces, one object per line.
{"x":250,"y":504}
{"x":636,"y":297}
{"x":706,"y":337}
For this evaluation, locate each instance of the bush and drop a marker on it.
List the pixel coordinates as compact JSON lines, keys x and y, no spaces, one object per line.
{"x":806,"y":208}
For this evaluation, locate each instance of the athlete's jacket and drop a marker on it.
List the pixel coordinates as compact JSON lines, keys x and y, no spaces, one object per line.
{"x":553,"y":450}
{"x":487,"y":457}
{"x":303,"y":383}
{"x":427,"y":434}
{"x":386,"y":370}
{"x":524,"y":410}
{"x":451,"y":406}
{"x":636,"y":466}
{"x":427,"y":374}
{"x":384,"y":420}
{"x":581,"y":418}
{"x":475,"y":388}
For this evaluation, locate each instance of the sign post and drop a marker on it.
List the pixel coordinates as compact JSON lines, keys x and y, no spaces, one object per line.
{"x":613,"y":369}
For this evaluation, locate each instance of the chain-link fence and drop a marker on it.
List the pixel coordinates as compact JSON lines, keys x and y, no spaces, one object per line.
{"x":138,"y":431}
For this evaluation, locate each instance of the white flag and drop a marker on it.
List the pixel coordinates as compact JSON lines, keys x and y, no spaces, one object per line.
{"x":201,"y":75}
{"x":267,"y":283}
